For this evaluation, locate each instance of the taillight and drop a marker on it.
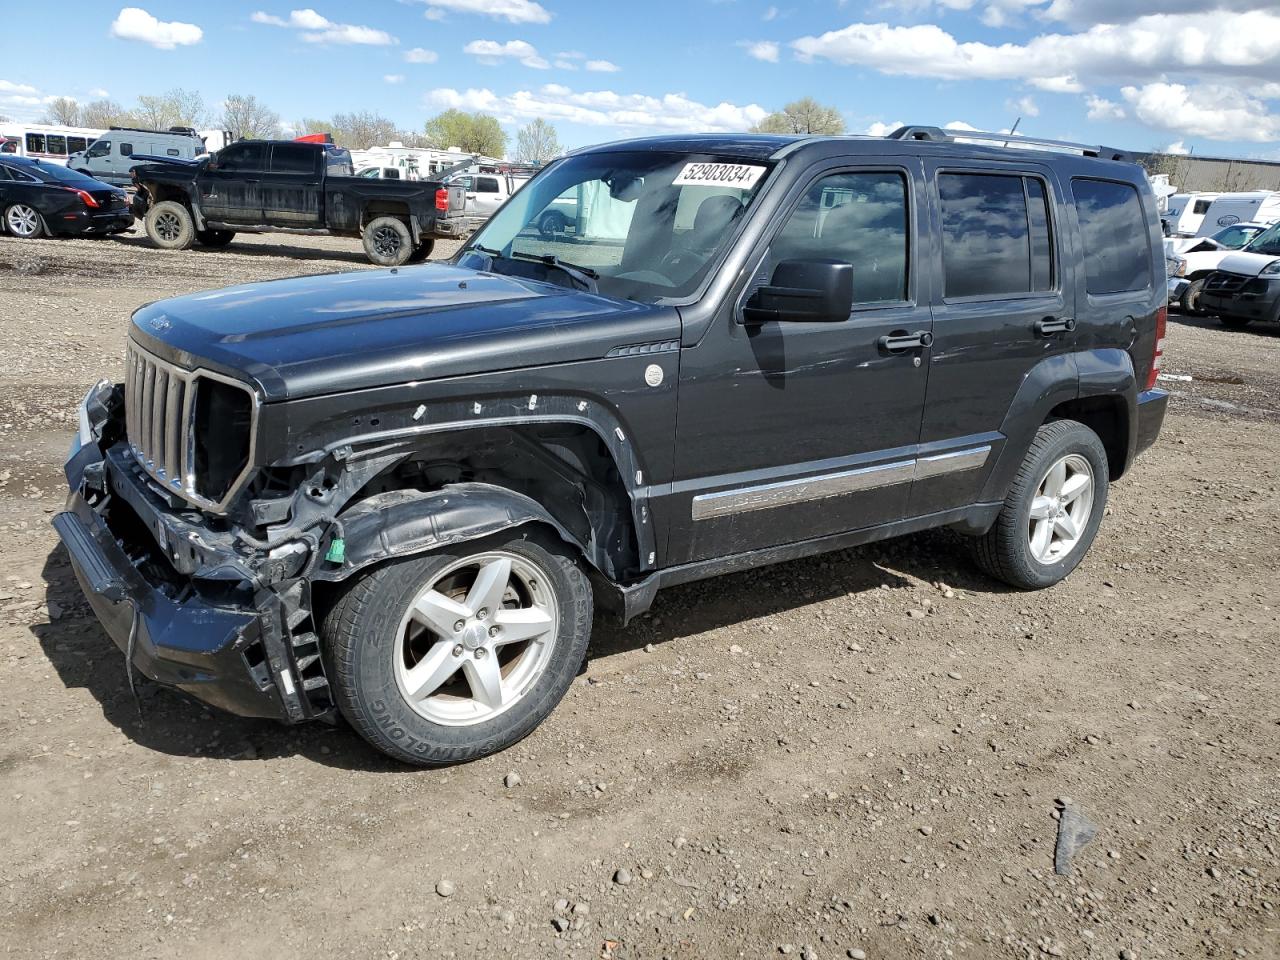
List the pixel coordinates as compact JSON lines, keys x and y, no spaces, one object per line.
{"x":1157,"y":359}
{"x":88,"y":200}
{"x":442,"y":199}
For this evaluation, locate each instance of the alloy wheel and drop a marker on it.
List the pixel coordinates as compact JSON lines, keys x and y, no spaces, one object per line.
{"x":1061,"y":509}
{"x":22,"y":220}
{"x":386,"y":241}
{"x":476,"y":639}
{"x":168,"y":227}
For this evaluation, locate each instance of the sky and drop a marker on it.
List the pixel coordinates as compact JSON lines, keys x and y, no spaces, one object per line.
{"x":1182,"y":75}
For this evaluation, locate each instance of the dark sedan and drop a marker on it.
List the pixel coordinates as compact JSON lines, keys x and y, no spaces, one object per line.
{"x":39,"y":198}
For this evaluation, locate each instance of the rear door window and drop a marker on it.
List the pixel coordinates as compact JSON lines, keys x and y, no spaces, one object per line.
{"x":1117,"y":254}
{"x":293,"y":158}
{"x":997,"y":235}
{"x":486,"y":185}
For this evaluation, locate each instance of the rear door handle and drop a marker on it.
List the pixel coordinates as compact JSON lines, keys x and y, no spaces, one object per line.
{"x":1051,"y":325}
{"x":898,"y":341}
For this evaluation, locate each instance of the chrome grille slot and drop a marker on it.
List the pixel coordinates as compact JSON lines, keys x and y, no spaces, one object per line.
{"x":160,"y":412}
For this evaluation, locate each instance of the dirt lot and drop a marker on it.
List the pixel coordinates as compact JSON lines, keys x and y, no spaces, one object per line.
{"x":859,"y":752}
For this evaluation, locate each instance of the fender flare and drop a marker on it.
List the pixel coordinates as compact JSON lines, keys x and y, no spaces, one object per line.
{"x":403,"y":523}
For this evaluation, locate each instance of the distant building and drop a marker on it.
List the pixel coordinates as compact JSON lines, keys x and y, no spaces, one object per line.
{"x":1189,"y":172}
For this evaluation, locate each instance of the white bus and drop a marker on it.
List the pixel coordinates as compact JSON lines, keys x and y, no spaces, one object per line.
{"x":42,"y":141}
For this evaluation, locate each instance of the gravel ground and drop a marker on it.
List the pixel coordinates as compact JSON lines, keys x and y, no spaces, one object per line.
{"x":857,"y":754}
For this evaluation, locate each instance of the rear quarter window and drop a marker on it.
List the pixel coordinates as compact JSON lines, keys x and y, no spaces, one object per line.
{"x":1113,"y":229}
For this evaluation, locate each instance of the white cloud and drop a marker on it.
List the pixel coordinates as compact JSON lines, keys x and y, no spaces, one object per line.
{"x":765,"y":50}
{"x":318,"y":29}
{"x":1177,"y":148}
{"x":8,"y":86}
{"x":491,"y":53}
{"x":1064,"y":84}
{"x":770,"y":14}
{"x":603,"y":108}
{"x":879,"y":129}
{"x":1208,"y":110}
{"x":1025,"y":106}
{"x":602,"y":66}
{"x":1243,"y":45}
{"x":134,"y":23}
{"x":99,"y":92}
{"x":1101,"y":108}
{"x":421,"y":55}
{"x":512,"y":11}
{"x":393,"y":78}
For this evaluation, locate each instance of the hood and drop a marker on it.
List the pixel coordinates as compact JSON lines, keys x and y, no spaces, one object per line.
{"x":1247,"y":264}
{"x":309,"y":336}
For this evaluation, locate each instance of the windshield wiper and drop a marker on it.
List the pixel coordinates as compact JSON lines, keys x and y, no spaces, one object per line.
{"x":583,"y":275}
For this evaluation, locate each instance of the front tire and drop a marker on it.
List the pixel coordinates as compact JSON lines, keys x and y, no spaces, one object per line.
{"x":454,"y":655}
{"x":170,"y":226}
{"x":552,"y":224}
{"x":1052,"y":511}
{"x":1189,"y":302}
{"x":387,"y":242}
{"x":24,"y":221}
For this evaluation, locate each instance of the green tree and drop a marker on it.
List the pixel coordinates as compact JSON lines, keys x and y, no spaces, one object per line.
{"x":469,"y":132}
{"x":105,"y":114}
{"x":63,"y":112}
{"x":803,"y":116}
{"x":246,"y":116}
{"x":536,"y":142}
{"x":177,"y":108}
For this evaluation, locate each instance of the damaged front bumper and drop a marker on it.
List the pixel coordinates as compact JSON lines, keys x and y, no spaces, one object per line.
{"x":191,"y":608}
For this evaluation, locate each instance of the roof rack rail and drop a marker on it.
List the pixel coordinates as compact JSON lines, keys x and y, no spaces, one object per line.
{"x":939,"y":135}
{"x":173,"y":131}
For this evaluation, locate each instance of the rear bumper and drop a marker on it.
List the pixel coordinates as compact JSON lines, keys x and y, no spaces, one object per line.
{"x":457,"y":226}
{"x":1152,"y":406}
{"x":80,"y":223}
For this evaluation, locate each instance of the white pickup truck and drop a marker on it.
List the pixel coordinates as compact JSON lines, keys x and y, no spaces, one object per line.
{"x":473,"y":198}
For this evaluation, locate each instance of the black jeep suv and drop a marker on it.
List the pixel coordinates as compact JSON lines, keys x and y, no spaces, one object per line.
{"x":401,"y":494}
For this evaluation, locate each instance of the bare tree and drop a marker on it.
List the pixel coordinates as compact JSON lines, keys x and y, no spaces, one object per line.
{"x":802,"y":116}
{"x":177,"y":108}
{"x":246,"y":116}
{"x":536,"y":142}
{"x":63,"y":112}
{"x":105,"y":114}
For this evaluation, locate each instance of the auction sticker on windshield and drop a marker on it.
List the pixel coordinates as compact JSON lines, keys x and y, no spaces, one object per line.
{"x":741,"y":175}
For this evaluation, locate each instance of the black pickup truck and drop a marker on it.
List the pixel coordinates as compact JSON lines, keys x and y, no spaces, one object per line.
{"x":260,"y":186}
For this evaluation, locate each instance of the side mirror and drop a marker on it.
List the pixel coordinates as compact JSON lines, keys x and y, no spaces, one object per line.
{"x":808,"y":291}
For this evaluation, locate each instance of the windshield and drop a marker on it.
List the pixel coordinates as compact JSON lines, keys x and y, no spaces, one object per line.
{"x":637,"y":225}
{"x":1267,"y":242}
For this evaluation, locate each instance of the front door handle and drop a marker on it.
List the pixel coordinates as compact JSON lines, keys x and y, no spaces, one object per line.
{"x":1051,"y":325}
{"x":900,"y":340}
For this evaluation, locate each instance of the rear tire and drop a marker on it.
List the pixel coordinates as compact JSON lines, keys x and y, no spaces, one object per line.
{"x":428,"y":693}
{"x":214,"y":238}
{"x":170,"y":226}
{"x":1052,"y":511}
{"x":1234,"y":323}
{"x":24,"y":222}
{"x":552,"y":224}
{"x":387,"y":242}
{"x":422,"y":252}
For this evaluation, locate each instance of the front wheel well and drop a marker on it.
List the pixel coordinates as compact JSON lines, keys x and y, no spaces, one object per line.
{"x":1105,"y":416}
